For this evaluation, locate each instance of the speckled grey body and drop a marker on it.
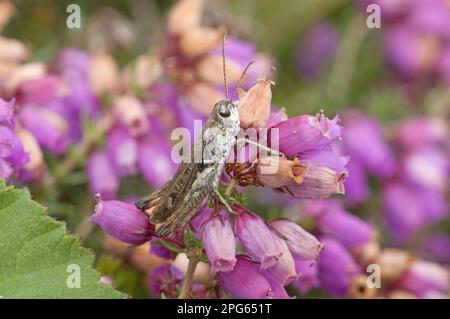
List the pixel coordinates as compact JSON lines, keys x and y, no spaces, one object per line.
{"x":177,"y":201}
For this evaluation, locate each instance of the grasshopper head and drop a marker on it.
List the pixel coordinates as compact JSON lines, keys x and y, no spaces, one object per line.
{"x":226,"y":114}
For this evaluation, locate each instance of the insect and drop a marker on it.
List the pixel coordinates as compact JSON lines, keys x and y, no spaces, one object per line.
{"x":177,"y":201}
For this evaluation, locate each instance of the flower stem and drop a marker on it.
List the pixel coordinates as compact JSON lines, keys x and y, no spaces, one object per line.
{"x":187,"y":282}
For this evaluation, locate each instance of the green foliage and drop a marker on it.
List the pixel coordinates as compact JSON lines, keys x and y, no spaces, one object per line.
{"x":36,"y":251}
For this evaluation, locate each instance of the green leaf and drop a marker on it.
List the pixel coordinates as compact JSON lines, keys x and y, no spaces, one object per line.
{"x":38,"y":258}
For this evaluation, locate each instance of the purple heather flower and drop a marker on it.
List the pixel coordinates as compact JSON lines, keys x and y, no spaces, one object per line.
{"x":101,"y":175}
{"x":318,"y":182}
{"x":427,"y":167}
{"x":410,"y":51}
{"x":122,"y":149}
{"x":12,"y":153}
{"x":349,"y":229}
{"x":277,"y":289}
{"x":48,"y":127}
{"x":305,"y":133}
{"x":431,"y":16}
{"x":425,"y":277}
{"x":257,"y":238}
{"x":309,"y":276}
{"x":122,"y":221}
{"x":365,"y":143}
{"x":336,"y":268}
{"x":165,"y":279}
{"x":402,"y":212}
{"x":283,"y":272}
{"x":356,"y":184}
{"x":155,"y":161}
{"x":245,"y":281}
{"x":301,"y":244}
{"x":219,"y":243}
{"x":7,"y":116}
{"x":421,"y":131}
{"x":41,"y":91}
{"x":318,"y":46}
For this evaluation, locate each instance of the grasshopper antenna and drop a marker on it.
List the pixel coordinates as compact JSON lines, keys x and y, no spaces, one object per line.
{"x":241,"y":78}
{"x":224,"y":65}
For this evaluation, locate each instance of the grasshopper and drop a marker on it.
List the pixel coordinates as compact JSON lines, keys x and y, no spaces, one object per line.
{"x":176,"y":202}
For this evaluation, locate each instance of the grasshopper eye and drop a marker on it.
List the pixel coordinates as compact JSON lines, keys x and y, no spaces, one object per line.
{"x":224,"y":111}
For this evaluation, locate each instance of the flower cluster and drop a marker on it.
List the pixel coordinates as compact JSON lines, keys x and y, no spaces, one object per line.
{"x":416,"y":37}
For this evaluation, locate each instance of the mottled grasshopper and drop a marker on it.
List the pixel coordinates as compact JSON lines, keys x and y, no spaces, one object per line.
{"x":177,"y":201}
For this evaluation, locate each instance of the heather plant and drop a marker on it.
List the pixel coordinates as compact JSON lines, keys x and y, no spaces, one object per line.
{"x":342,"y":190}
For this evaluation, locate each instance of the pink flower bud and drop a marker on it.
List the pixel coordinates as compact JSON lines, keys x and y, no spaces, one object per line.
{"x":202,"y":97}
{"x":220,"y":244}
{"x":200,"y":41}
{"x":101,"y":175}
{"x":309,"y":276}
{"x":130,"y":111}
{"x":425,"y":277}
{"x":345,"y":227}
{"x":302,"y":244}
{"x":35,"y":167}
{"x":254,"y":106}
{"x":103,"y":73}
{"x":209,"y":68}
{"x":257,"y":238}
{"x":245,"y":281}
{"x":122,"y":221}
{"x":185,"y":16}
{"x":12,"y":50}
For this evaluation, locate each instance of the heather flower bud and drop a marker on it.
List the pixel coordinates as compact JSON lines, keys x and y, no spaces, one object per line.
{"x":219,"y":243}
{"x":12,"y":154}
{"x":302,"y":244}
{"x":365,"y":143}
{"x":101,"y":175}
{"x":257,"y":238}
{"x":202,"y":97}
{"x":318,"y":182}
{"x":41,"y":91}
{"x":7,"y":113}
{"x":307,"y":133}
{"x":426,"y":277}
{"x":12,"y":50}
{"x":123,"y":151}
{"x":6,"y":11}
{"x":245,"y":281}
{"x":345,"y":227}
{"x":130,"y":111}
{"x":25,"y":72}
{"x":209,"y":68}
{"x":336,"y":268}
{"x":199,"y":41}
{"x":48,"y":127}
{"x":35,"y":166}
{"x":421,"y":131}
{"x":393,"y":263}
{"x":122,"y":221}
{"x":103,"y":73}
{"x":154,"y":161}
{"x":185,"y":16}
{"x":282,"y":171}
{"x":254,"y":106}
